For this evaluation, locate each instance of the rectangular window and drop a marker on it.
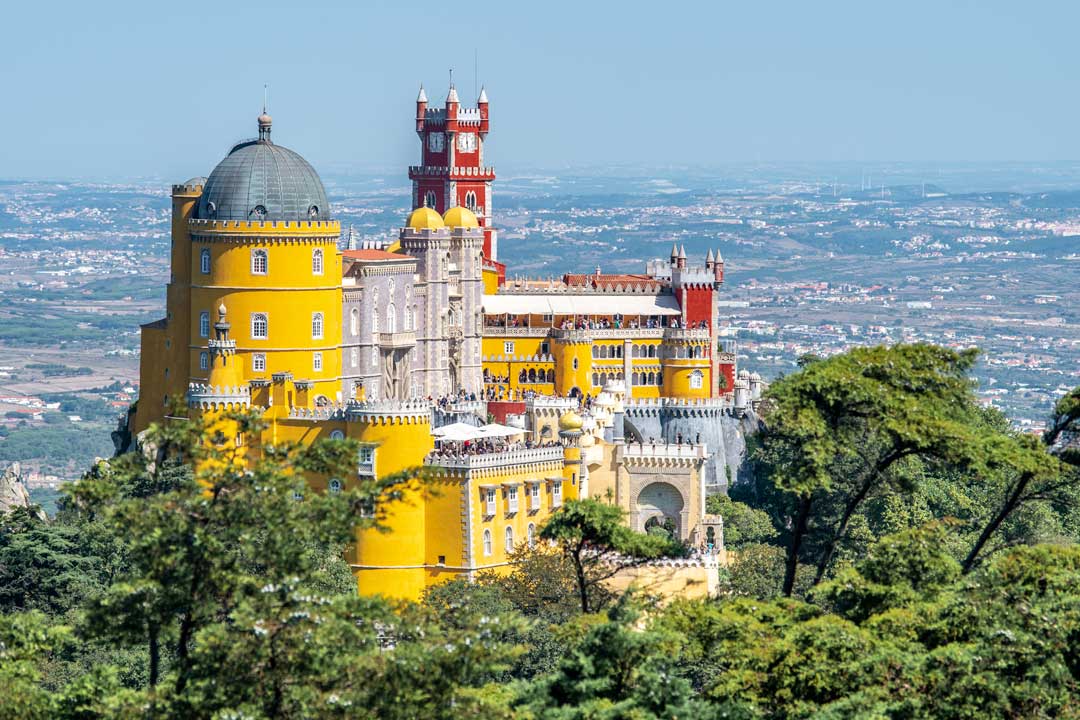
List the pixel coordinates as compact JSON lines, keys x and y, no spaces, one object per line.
{"x":259,"y":262}
{"x":316,"y":360}
{"x":489,"y":502}
{"x":534,"y":496}
{"x":548,"y":317}
{"x":204,"y":324}
{"x":317,"y":326}
{"x":260,"y":326}
{"x":354,"y":357}
{"x":512,"y":500}
{"x":258,"y":362}
{"x":508,"y":348}
{"x":556,"y":494}
{"x":204,"y":261}
{"x":204,"y":361}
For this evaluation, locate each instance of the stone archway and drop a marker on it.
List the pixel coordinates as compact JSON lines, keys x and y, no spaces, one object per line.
{"x":660,"y":503}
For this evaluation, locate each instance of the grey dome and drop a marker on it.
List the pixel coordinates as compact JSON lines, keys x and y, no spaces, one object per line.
{"x":259,"y":180}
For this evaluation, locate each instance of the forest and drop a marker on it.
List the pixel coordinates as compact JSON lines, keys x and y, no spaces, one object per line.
{"x":901,"y":552}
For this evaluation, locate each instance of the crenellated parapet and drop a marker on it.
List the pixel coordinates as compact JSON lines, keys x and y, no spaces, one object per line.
{"x":677,"y":407}
{"x":317,"y":414}
{"x":663,"y":454}
{"x":389,"y":411}
{"x":217,"y":397}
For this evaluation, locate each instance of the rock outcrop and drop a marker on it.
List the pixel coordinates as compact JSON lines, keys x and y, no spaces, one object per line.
{"x":13,"y":493}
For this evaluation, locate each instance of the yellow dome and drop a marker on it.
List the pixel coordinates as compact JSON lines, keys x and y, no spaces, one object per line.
{"x":460,"y":217}
{"x":424,"y":218}
{"x":570,"y":420}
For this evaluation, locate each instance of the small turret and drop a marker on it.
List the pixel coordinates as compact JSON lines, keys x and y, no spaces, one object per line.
{"x":709,"y":261}
{"x":718,"y":268}
{"x":482,"y":104}
{"x":674,"y":253}
{"x":421,"y":109}
{"x":682,"y":258}
{"x":452,"y":105}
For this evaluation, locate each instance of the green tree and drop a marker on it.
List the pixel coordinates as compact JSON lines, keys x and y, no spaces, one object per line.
{"x":836,"y":430}
{"x":594,"y":537}
{"x":743,"y":524}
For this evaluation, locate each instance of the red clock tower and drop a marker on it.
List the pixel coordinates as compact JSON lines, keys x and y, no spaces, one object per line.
{"x":452,"y":170}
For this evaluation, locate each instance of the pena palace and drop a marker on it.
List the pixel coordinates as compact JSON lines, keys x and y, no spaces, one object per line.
{"x":518,"y":394}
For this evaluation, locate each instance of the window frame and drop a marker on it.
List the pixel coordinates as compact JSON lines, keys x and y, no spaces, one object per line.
{"x":258,"y":362}
{"x":205,"y":261}
{"x":265,"y":317}
{"x":318,"y":325}
{"x":316,"y":362}
{"x":265,"y":256}
{"x":318,"y":262}
{"x":204,"y":360}
{"x":487,"y":543}
{"x":204,"y":324}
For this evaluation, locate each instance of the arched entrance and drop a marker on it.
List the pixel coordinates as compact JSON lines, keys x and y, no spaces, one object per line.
{"x":660,"y":504}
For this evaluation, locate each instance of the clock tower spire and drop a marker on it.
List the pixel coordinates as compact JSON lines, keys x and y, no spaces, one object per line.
{"x":452,"y":172}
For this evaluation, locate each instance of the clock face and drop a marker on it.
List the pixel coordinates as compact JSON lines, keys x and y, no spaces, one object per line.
{"x":466,"y":142}
{"x":435,"y":142}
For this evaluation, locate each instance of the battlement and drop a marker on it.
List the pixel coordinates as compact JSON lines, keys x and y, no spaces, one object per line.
{"x":664,"y":453}
{"x":405,"y":411}
{"x":332,"y":412}
{"x":550,"y":402}
{"x":329,"y":230}
{"x":683,"y":407}
{"x":218,"y":397}
{"x":457,"y":172}
{"x":187,"y":189}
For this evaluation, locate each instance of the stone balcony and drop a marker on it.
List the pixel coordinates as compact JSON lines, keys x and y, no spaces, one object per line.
{"x":687,"y":334}
{"x":495,"y":459}
{"x":401,"y":339}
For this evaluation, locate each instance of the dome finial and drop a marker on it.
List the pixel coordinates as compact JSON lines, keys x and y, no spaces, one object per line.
{"x":264,"y":120}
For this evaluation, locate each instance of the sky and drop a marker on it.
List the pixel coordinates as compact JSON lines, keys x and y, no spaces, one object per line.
{"x":148,"y":89}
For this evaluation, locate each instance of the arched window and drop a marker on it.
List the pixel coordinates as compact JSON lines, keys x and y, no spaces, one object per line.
{"x":470,"y":200}
{"x":204,"y":361}
{"x":696,"y":379}
{"x":633,"y":378}
{"x":634,"y":351}
{"x":596,"y":379}
{"x":391,"y":318}
{"x":316,"y":365}
{"x":652,"y":351}
{"x":375,"y":319}
{"x":551,"y":376}
{"x":204,"y":261}
{"x":532,"y":375}
{"x":354,"y":321}
{"x":532,"y":535}
{"x":651,"y":380}
{"x":317,"y":261}
{"x":259,"y":326}
{"x":603,"y":352}
{"x":487,"y":543}
{"x":204,"y":324}
{"x":260,"y":262}
{"x":335,"y":485}
{"x":509,"y":539}
{"x":660,"y":378}
{"x":595,"y":352}
{"x":337,"y":435}
{"x":429,"y":199}
{"x":317,"y":326}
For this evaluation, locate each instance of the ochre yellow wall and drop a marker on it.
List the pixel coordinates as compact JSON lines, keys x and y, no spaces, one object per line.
{"x":395,"y":560}
{"x":289,"y":294}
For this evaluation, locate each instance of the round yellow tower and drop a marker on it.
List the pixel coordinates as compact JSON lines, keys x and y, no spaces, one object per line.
{"x":262,"y":242}
{"x":570,"y":424}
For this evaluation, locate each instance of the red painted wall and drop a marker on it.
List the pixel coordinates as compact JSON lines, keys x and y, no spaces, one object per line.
{"x":698,"y":306}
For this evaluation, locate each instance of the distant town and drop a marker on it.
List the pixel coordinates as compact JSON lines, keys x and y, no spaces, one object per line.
{"x":813,"y":267}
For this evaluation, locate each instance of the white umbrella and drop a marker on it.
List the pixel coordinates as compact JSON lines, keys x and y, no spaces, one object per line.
{"x":498,"y":430}
{"x":458,"y":432}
